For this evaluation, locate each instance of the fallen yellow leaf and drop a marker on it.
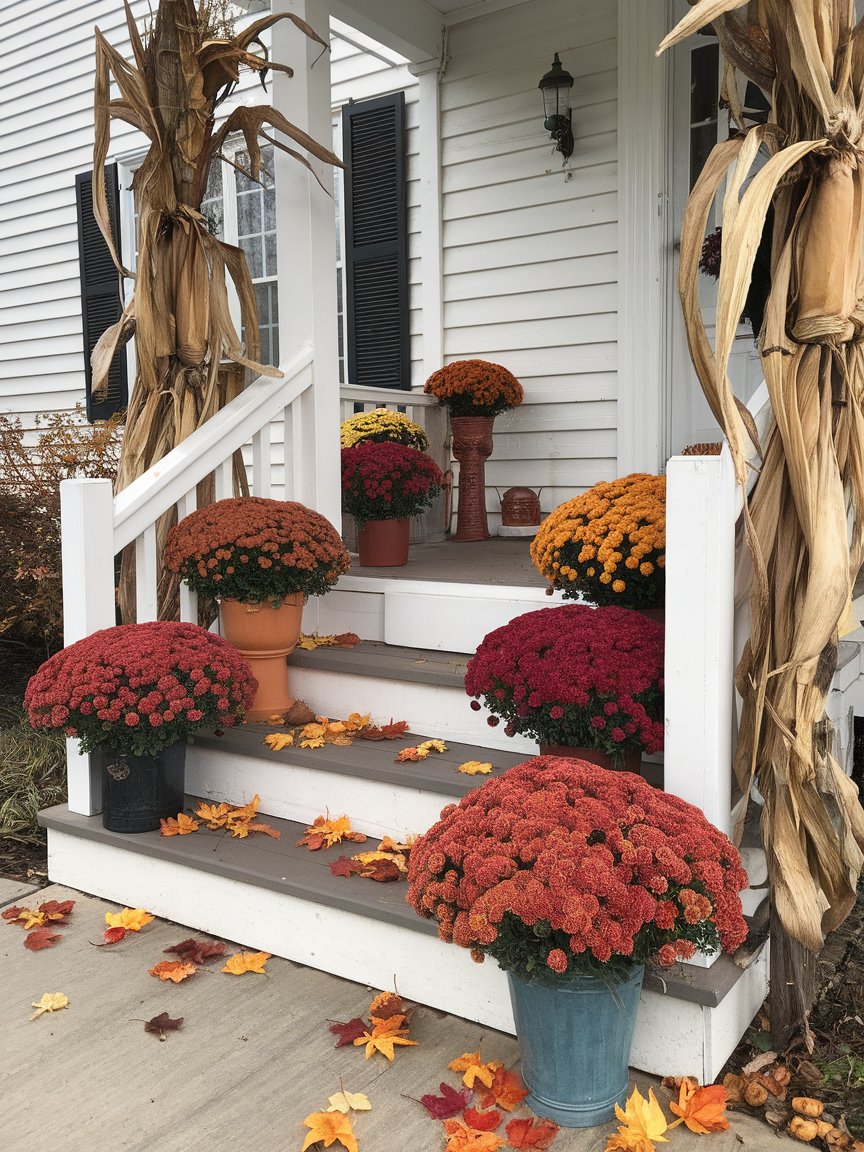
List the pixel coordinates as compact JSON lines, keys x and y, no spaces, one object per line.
{"x":242,"y":962}
{"x":432,"y":746}
{"x":475,"y":768}
{"x":50,"y":1002}
{"x":279,"y":740}
{"x":214,"y":815}
{"x":642,"y":1123}
{"x":378,"y":1040}
{"x":132,"y":919}
{"x":349,"y":1102}
{"x":182,"y":826}
{"x":327,"y":1127}
{"x":470,"y":1065}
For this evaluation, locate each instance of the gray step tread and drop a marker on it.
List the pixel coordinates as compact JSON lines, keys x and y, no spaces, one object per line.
{"x":373,"y":759}
{"x":388,"y":661}
{"x":282,"y":866}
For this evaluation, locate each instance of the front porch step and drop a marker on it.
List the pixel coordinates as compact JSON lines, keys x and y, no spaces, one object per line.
{"x":276,"y":897}
{"x":424,"y":686}
{"x":361,"y":780}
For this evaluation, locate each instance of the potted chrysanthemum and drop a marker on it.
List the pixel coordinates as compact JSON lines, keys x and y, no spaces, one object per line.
{"x":134,"y":695}
{"x":572,"y":878}
{"x":474,"y":392}
{"x":260,"y":559}
{"x":383,"y":485}
{"x":382,"y":425}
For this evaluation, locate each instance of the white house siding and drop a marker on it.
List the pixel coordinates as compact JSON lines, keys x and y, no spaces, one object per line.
{"x":530,"y":250}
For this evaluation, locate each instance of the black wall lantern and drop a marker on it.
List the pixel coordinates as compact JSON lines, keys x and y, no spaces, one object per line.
{"x":555,"y":86}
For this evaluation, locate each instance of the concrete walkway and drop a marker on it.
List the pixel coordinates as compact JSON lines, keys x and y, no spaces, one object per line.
{"x":253,"y":1058}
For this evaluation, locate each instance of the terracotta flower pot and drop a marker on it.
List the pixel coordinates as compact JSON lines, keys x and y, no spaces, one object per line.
{"x":384,"y":543}
{"x":631,"y":760}
{"x":472,"y":443}
{"x":265,"y":635}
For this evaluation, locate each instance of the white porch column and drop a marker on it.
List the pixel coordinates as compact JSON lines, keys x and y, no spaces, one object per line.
{"x":306,"y":250}
{"x":431,"y":259}
{"x":87,"y":527}
{"x":642,"y":179}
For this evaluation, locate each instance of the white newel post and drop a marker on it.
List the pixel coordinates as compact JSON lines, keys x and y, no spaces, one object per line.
{"x":306,"y":252}
{"x":701,"y":509}
{"x":87,"y":523}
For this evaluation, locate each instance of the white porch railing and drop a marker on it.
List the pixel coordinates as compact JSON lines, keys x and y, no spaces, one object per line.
{"x":269,"y":418}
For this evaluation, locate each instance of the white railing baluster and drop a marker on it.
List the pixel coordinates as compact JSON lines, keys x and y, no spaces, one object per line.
{"x":289,"y":490}
{"x":261,"y":462}
{"x":225,"y":479}
{"x":146,"y":602}
{"x":188,"y":599}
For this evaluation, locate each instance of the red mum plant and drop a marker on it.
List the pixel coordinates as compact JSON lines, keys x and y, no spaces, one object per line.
{"x":386,"y":481}
{"x":137,"y":688}
{"x":560,"y":868}
{"x":475,"y":388}
{"x":256,"y":550}
{"x":574,"y":675}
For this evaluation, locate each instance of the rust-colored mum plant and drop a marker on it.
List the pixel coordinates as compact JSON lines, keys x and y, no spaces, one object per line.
{"x":475,"y":388}
{"x":559,"y":867}
{"x":608,"y":544}
{"x":256,"y":550}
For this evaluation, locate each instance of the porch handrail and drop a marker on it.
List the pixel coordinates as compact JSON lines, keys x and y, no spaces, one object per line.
{"x":360,"y":393}
{"x":166,"y":482}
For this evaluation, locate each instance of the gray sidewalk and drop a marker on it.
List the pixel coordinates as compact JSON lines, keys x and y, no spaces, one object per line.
{"x":253,"y":1058}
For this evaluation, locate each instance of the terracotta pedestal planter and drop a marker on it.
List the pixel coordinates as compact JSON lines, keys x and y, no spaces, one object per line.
{"x":265,"y":635}
{"x":384,"y":543}
{"x":472,"y":444}
{"x":631,"y":761}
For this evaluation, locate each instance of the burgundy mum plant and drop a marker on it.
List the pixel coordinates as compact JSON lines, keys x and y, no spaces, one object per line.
{"x":584,"y":677}
{"x":560,"y":868}
{"x":387,"y":481}
{"x":137,"y":688}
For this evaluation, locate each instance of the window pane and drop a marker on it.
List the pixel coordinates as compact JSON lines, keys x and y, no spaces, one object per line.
{"x":705,"y":64}
{"x":212,"y":205}
{"x":270,"y":209}
{"x":270,"y":254}
{"x":251,"y":245}
{"x":248,"y":214}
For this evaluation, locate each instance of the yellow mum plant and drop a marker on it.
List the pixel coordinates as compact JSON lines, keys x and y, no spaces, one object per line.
{"x":379,"y":425}
{"x":608,"y":544}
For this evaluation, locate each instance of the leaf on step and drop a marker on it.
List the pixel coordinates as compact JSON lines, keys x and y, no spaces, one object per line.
{"x":386,"y":1005}
{"x":276,"y":741}
{"x":132,"y":919}
{"x":475,"y":768}
{"x":197,"y":951}
{"x":328,"y":1127}
{"x":451,"y":1102}
{"x":473,"y":1069}
{"x":266,"y":829}
{"x":482,"y":1121}
{"x":242,"y":962}
{"x":344,"y":866}
{"x":383,"y":1042}
{"x":298,"y":714}
{"x":384,"y":871}
{"x":531,"y":1133}
{"x":174,"y":970}
{"x":432,"y":746}
{"x":11,"y":913}
{"x":348,"y":1032}
{"x":349,"y":1102}
{"x":642,"y":1122}
{"x":40,"y":938}
{"x":461,"y":1138}
{"x":49,"y":1002}
{"x":183,"y":825}
{"x":395,"y":730}
{"x":703,"y":1110}
{"x":505,"y":1091}
{"x":324,"y":833}
{"x":161,"y":1024}
{"x":410,"y":754}
{"x":390,"y":845}
{"x":214,"y":815}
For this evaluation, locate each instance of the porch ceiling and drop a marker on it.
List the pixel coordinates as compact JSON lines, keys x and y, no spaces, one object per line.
{"x":412,"y":27}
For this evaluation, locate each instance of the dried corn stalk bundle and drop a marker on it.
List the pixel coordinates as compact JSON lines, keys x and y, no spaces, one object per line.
{"x":189,"y":356}
{"x":804,"y":518}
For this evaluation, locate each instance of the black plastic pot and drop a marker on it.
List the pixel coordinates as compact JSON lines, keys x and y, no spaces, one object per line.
{"x":138,"y":791}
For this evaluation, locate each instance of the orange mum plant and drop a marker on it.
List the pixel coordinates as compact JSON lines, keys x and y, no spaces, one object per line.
{"x":608,"y":544}
{"x":475,"y":388}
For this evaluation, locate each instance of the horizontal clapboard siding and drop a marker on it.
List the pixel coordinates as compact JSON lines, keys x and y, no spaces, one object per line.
{"x":530,"y":255}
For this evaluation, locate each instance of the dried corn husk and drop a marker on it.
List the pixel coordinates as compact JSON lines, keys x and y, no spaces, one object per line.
{"x":803,"y":520}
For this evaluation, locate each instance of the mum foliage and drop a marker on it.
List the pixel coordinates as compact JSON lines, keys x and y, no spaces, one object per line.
{"x":585,"y":677}
{"x":560,"y":868}
{"x":254,"y":550}
{"x":608,"y":544}
{"x":475,"y":388}
{"x":379,"y":425}
{"x":387,"y":481}
{"x":137,"y":688}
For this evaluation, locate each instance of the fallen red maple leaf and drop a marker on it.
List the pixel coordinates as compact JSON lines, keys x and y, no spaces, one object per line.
{"x":198,"y":951}
{"x":161,"y":1024}
{"x":392,"y":731}
{"x":386,"y":1005}
{"x":482,"y":1121}
{"x":450,"y":1103}
{"x":381,"y":870}
{"x":506,"y":1091}
{"x":344,"y":866}
{"x":113,"y":935}
{"x":11,"y":913}
{"x":40,"y":938}
{"x":57,"y":910}
{"x":349,"y":1031}
{"x":531,"y":1133}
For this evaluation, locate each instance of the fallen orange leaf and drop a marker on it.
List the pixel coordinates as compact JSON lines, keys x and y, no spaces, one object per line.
{"x":132,"y":919}
{"x":214,"y":815}
{"x":279,"y":740}
{"x":506,"y":1089}
{"x":703,"y":1110}
{"x":531,"y":1133}
{"x":475,"y":768}
{"x":470,"y":1065}
{"x":182,"y":826}
{"x":392,"y":731}
{"x":410,"y":754}
{"x":242,"y":962}
{"x":173,"y":970}
{"x":461,"y":1138}
{"x":327,"y":1128}
{"x":384,"y":1044}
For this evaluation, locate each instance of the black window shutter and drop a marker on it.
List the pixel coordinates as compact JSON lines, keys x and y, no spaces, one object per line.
{"x":376,"y":242}
{"x":100,"y":290}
